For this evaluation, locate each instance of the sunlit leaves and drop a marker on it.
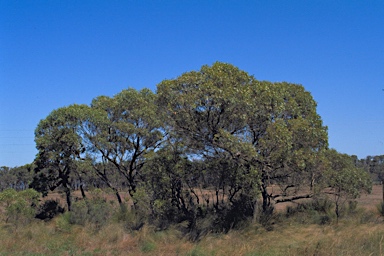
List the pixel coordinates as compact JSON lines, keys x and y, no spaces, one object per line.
{"x":345,"y":178}
{"x":200,"y":104}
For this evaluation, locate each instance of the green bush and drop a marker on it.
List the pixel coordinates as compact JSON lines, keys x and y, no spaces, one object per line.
{"x":316,"y":211}
{"x":63,"y":223}
{"x":352,"y":206}
{"x":95,"y":211}
{"x":79,"y":213}
{"x":380,"y":208}
{"x":19,"y":208}
{"x":49,"y":209}
{"x":148,"y":246}
{"x":130,"y":219}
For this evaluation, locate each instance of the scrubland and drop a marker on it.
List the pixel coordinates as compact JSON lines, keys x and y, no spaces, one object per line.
{"x":295,"y":231}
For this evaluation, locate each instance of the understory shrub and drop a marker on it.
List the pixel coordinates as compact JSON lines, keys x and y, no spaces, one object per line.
{"x":63,"y":223}
{"x":130,"y":219}
{"x":49,"y":209}
{"x":94,"y":211}
{"x":18,"y":208}
{"x":316,"y":211}
{"x":380,"y":208}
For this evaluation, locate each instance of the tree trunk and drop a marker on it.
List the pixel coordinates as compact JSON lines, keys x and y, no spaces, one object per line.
{"x":82,"y":192}
{"x":382,"y":183}
{"x":68,"y":198}
{"x":264,"y":193}
{"x":265,"y":196}
{"x":337,"y":212}
{"x":118,"y":197}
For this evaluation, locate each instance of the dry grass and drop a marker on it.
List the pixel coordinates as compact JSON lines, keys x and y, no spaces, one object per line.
{"x":350,"y":237}
{"x":46,"y":238}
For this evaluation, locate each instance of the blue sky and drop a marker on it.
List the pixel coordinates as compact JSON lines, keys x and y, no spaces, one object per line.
{"x":56,"y":53}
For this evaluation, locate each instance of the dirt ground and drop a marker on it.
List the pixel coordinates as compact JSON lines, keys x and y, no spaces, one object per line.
{"x":370,"y":201}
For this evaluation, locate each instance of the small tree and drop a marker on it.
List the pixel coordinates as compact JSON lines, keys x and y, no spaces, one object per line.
{"x":59,"y":148}
{"x":345,"y":180}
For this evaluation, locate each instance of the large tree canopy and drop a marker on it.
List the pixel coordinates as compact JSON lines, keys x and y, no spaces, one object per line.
{"x":214,"y":141}
{"x":207,"y":111}
{"x":288,"y":136}
{"x":221,"y":111}
{"x":119,"y":133}
{"x":203,"y":106}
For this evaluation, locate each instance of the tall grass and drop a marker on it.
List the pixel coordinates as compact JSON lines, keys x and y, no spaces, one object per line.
{"x":380,"y":208}
{"x":95,"y":227}
{"x":60,"y":237}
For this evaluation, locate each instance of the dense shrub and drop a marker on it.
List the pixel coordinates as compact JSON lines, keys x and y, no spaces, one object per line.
{"x":380,"y":208}
{"x":94,"y":211}
{"x":49,"y":209}
{"x":315,"y":211}
{"x":19,"y":208}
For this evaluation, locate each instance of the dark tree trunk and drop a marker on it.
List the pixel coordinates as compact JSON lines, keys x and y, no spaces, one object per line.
{"x":68,"y":198}
{"x":337,"y":212}
{"x":82,"y":191}
{"x":382,"y":183}
{"x":118,"y":197}
{"x":265,"y":196}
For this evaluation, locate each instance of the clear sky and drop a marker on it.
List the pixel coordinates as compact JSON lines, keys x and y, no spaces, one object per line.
{"x":55,"y":53}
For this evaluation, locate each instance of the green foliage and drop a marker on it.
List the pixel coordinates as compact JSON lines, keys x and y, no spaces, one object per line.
{"x":17,"y":178}
{"x":63,"y":223}
{"x":19,"y":208}
{"x":94,"y":211}
{"x":316,"y":211}
{"x":289,"y":137}
{"x":380,"y":208}
{"x":79,"y":213}
{"x":59,"y":147}
{"x":345,"y":180}
{"x":202,"y":152}
{"x":220,"y":112}
{"x":147,"y":246}
{"x":196,"y":251}
{"x":129,"y":219}
{"x":206,"y":112}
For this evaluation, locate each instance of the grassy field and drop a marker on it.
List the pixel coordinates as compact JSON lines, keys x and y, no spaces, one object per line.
{"x":361,"y":233}
{"x":345,"y":238}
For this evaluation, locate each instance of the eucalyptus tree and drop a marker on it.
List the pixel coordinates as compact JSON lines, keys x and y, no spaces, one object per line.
{"x":119,"y":133}
{"x":23,"y":175}
{"x":378,"y":169}
{"x":7,"y":179}
{"x":269,"y":133}
{"x":345,"y":180}
{"x":17,"y":178}
{"x":289,"y":138}
{"x":373,"y":165}
{"x":206,"y":110}
{"x":59,"y":148}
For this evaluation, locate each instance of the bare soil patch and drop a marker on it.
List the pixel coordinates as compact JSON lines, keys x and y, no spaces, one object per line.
{"x":370,"y":201}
